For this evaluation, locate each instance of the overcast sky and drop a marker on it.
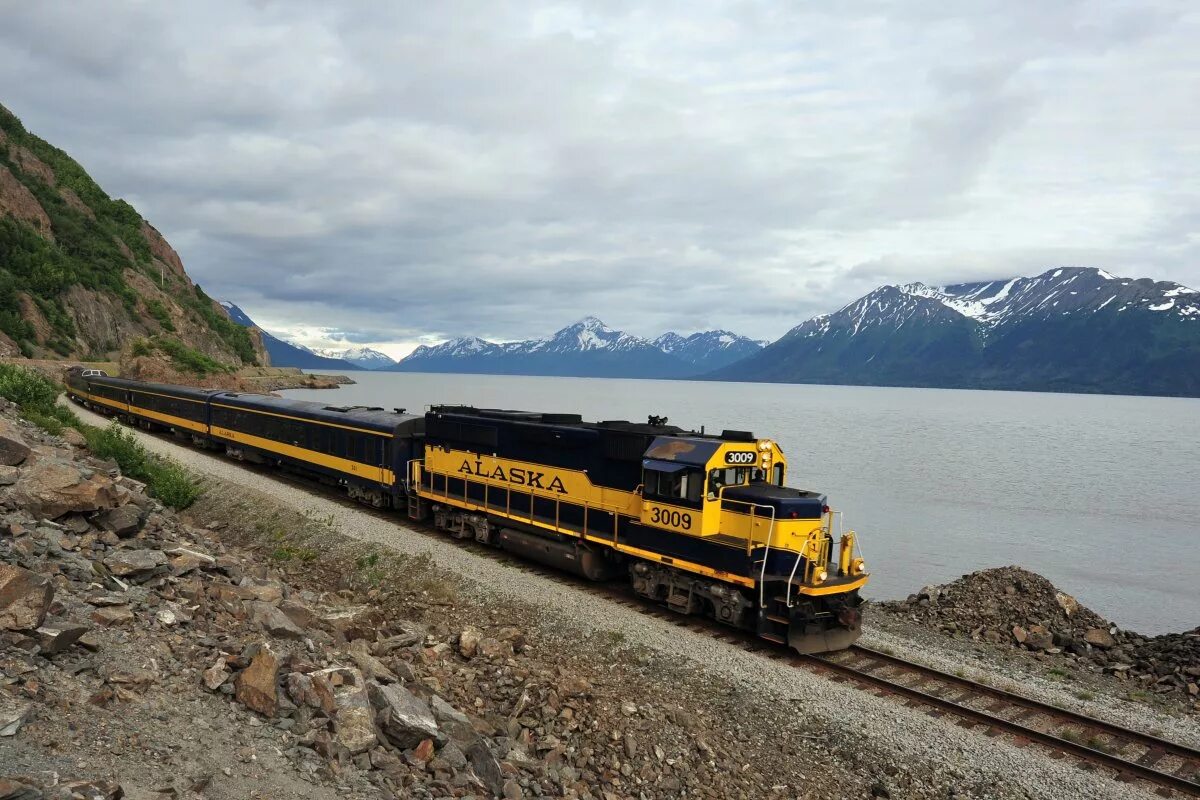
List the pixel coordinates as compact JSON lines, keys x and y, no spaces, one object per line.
{"x":390,"y":173}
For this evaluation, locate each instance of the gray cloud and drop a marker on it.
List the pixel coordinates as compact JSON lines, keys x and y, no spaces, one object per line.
{"x":378,"y":173}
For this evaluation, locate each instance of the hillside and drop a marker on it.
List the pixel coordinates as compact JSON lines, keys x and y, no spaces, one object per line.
{"x":83,"y":275}
{"x":1069,"y":330}
{"x":286,"y":354}
{"x":588,"y":348}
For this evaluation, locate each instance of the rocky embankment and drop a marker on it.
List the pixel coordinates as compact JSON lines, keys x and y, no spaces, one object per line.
{"x":1010,"y":606}
{"x":144,"y":657}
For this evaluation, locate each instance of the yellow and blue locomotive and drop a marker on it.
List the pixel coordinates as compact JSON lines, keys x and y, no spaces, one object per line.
{"x":703,"y":524}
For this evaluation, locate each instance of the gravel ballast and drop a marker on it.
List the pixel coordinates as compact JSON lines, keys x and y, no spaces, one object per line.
{"x":962,"y":762}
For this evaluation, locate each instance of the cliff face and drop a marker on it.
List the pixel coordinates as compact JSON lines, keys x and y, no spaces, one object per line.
{"x":83,"y":275}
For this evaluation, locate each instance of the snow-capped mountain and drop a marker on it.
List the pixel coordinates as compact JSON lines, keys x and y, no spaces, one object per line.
{"x":588,"y":348}
{"x":708,"y":350}
{"x":1068,"y":329}
{"x":365,"y":357}
{"x":286,"y":354}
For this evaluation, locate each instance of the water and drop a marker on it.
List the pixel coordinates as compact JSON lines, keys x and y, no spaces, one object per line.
{"x":1098,"y":493}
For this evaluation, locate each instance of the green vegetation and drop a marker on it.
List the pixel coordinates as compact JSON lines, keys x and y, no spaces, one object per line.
{"x":234,"y":335}
{"x":159,"y":312}
{"x":166,"y":479}
{"x":88,"y":249}
{"x":37,"y":397}
{"x":185,"y":359}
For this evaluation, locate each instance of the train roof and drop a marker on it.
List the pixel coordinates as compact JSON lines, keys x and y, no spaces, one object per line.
{"x":156,"y":388}
{"x":654,"y":426}
{"x":374,"y":417}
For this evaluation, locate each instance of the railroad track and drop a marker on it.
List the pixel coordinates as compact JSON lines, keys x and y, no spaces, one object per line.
{"x":1173,"y":769}
{"x":1131,"y":755}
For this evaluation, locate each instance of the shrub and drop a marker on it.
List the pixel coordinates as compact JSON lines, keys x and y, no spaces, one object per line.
{"x":160,"y":313}
{"x":167,"y":480}
{"x":187,"y":359}
{"x":37,"y":397}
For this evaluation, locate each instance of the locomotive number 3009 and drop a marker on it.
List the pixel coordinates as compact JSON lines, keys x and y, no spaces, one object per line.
{"x":674,"y":519}
{"x":740,"y":457}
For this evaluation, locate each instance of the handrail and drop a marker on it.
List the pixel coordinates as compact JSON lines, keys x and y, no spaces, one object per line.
{"x":409,"y":473}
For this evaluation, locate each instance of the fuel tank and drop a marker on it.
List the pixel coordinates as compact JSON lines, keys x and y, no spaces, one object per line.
{"x":567,"y":556}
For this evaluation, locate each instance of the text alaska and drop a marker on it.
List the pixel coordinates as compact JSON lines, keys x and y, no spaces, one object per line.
{"x":517,"y":476}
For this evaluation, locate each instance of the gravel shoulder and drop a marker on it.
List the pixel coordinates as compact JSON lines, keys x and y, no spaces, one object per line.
{"x":839,"y":735}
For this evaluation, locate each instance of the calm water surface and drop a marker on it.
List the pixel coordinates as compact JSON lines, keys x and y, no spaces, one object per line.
{"x":1100,"y":494}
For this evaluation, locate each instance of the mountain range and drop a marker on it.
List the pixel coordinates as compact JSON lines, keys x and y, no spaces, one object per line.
{"x":588,"y":348}
{"x":286,"y":354}
{"x":365,"y":357}
{"x":1068,"y":329}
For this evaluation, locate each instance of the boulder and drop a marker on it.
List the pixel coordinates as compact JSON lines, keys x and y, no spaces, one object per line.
{"x":13,"y":789}
{"x":110,"y":616}
{"x":453,"y":723}
{"x":123,"y":520}
{"x":9,"y":475}
{"x":56,"y":635}
{"x":493,"y":649}
{"x":314,"y":691}
{"x":352,"y":622}
{"x":1020,"y":634}
{"x":254,"y":686}
{"x":52,"y":487}
{"x":13,"y":713}
{"x":404,"y":718}
{"x":1099,"y":637}
{"x":265,"y":591}
{"x":184,"y":560}
{"x":215,"y":675}
{"x":371,"y":667}
{"x":74,"y":438}
{"x":1039,"y":638}
{"x":24,"y":598}
{"x":136,"y":565}
{"x":1067,"y":603}
{"x":274,"y":622}
{"x":354,"y":721}
{"x":12,"y":450}
{"x":485,"y":766}
{"x":468,"y":641}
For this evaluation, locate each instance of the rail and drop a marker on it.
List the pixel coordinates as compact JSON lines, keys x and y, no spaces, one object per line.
{"x":1142,"y":767}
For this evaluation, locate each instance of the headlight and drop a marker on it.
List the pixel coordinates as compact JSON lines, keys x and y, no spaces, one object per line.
{"x":858,"y":567}
{"x":820,"y":577}
{"x":764,"y":445}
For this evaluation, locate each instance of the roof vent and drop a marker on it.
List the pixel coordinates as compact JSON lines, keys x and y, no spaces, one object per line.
{"x":737,"y":436}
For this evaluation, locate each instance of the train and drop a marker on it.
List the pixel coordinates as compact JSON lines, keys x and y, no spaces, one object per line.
{"x":703,"y":524}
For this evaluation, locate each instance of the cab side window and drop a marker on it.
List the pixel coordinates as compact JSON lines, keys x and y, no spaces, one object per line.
{"x":728,"y":476}
{"x":685,"y":484}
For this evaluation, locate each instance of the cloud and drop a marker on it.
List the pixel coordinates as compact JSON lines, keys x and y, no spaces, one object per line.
{"x":385,"y":174}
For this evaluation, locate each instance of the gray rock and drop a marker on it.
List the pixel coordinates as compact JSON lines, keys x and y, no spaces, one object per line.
{"x":485,"y":766}
{"x":404,"y":718}
{"x":133,"y":564}
{"x":24,"y":598}
{"x":9,"y":475}
{"x":12,"y":789}
{"x":123,"y":520}
{"x":354,"y":721}
{"x":56,"y":635}
{"x":454,"y":723}
{"x":12,"y":451}
{"x":273,"y":621}
{"x":13,"y":714}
